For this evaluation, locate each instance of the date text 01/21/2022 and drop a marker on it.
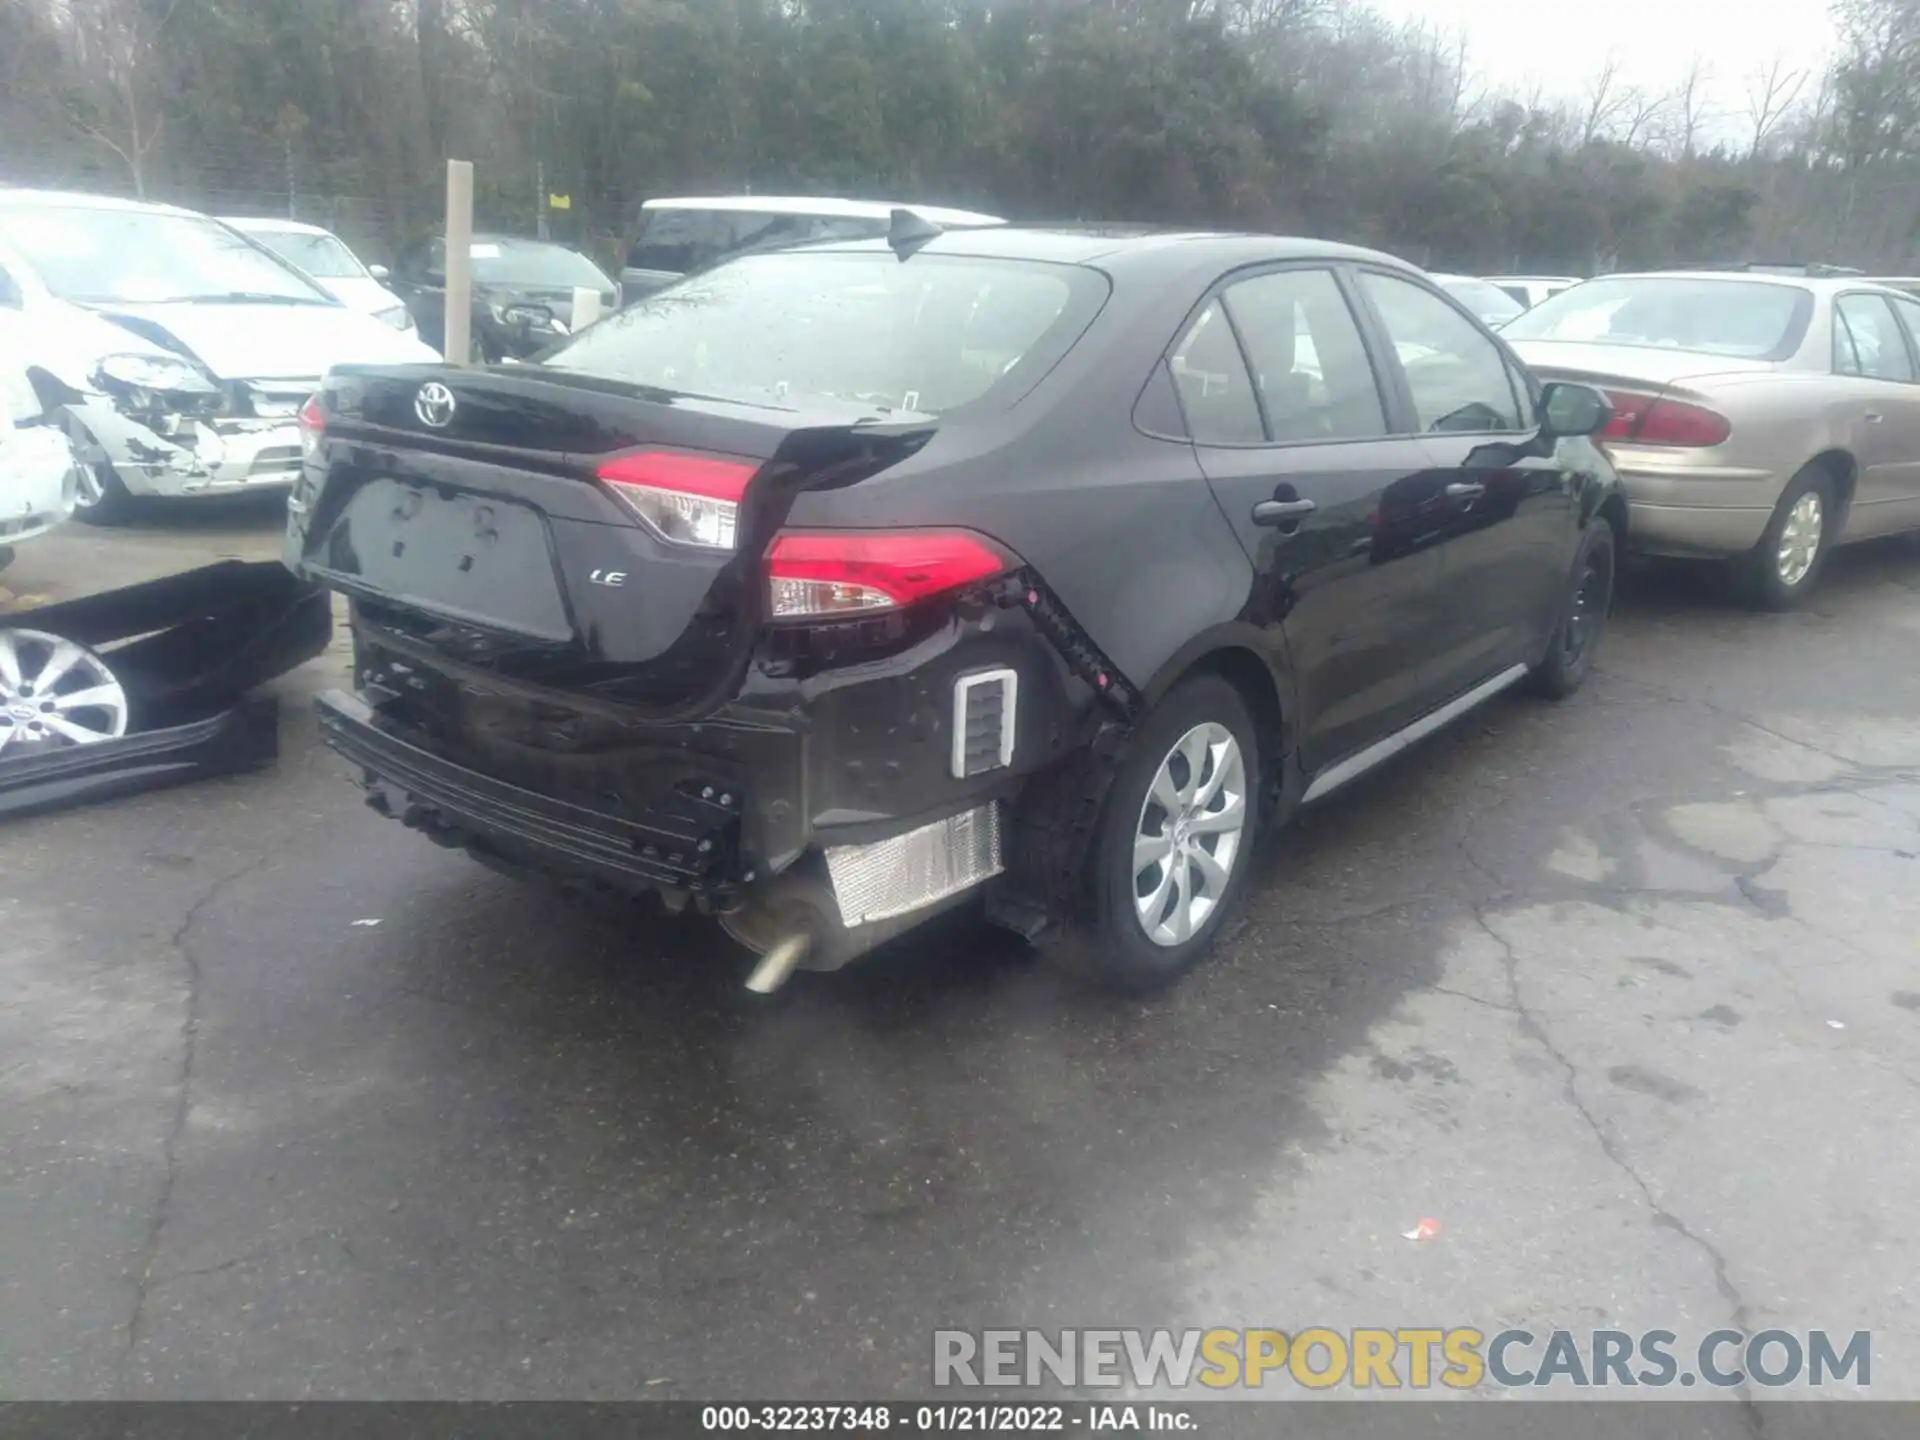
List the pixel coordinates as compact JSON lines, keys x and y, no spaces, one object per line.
{"x":937,"y":1419}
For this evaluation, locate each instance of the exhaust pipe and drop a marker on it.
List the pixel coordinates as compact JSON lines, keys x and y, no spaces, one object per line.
{"x":779,"y":963}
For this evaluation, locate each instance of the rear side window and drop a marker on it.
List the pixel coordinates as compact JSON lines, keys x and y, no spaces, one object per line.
{"x":856,"y":328}
{"x":1309,"y":363}
{"x":1457,"y":374}
{"x":1216,"y":392}
{"x":1867,"y":339}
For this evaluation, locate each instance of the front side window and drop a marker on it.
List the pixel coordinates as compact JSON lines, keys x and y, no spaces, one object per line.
{"x":854,"y":327}
{"x":1456,"y":373}
{"x":1867,"y":339}
{"x":1309,"y":362}
{"x":96,"y":254}
{"x":678,"y":241}
{"x":1216,"y":393}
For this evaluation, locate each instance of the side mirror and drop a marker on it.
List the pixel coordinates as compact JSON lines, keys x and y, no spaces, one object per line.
{"x":1568,"y":409}
{"x":379,"y":272}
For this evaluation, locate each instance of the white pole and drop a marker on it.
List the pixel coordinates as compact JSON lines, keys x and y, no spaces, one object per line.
{"x":586,"y":307}
{"x":459,"y":262}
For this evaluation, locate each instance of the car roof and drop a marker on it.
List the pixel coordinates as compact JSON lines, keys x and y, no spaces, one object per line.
{"x":272,"y":223}
{"x":1115,"y":248}
{"x":822,"y":205}
{"x":80,"y":200}
{"x":1532,"y":279}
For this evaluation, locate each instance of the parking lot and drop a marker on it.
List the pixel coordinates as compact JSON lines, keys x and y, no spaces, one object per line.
{"x":1622,"y":993}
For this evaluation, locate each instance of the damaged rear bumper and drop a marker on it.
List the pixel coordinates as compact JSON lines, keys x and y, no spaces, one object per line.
{"x":187,"y":648}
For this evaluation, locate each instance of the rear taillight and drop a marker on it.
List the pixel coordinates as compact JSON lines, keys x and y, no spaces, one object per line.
{"x":313,"y":425}
{"x":689,"y":499}
{"x":825,"y":575}
{"x":1647,"y":420}
{"x":1674,"y":422}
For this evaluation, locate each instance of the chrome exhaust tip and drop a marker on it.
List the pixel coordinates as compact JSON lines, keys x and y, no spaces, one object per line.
{"x":776,"y":967}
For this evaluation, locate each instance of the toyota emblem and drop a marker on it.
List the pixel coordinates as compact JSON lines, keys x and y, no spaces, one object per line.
{"x":434,"y":405}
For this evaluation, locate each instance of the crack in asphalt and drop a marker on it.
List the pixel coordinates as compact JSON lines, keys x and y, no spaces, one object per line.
{"x":183,"y":1083}
{"x":1531,"y":1026}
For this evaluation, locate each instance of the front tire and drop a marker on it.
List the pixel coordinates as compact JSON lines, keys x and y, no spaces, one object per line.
{"x":1779,"y":572}
{"x":1175,"y":842}
{"x":102,"y":498}
{"x":1583,"y":616}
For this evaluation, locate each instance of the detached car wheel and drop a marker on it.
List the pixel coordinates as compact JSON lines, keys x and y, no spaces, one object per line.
{"x":54,"y":694}
{"x":1583,"y":619}
{"x":1176,"y":839}
{"x":1780,"y":571}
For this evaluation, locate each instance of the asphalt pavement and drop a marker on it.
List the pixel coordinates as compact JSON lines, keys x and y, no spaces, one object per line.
{"x":1622,"y":993}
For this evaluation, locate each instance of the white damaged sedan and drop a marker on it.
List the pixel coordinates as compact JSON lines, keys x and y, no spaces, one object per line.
{"x":176,"y":351}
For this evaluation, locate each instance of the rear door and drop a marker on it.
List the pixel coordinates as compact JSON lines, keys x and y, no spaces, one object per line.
{"x":1871,"y":348}
{"x":1336,"y":513}
{"x":1507,"y":505}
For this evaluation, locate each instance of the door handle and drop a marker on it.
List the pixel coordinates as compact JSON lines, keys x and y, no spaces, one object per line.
{"x":1279,"y":512}
{"x":1873,"y":417}
{"x":1465,"y":490}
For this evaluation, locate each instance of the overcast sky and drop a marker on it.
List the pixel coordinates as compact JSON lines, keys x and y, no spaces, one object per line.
{"x":1514,"y":44}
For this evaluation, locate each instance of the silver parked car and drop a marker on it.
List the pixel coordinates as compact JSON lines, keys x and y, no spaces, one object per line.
{"x":1760,"y":418}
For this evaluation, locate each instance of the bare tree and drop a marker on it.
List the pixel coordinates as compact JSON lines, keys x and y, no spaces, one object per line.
{"x":1606,"y":97}
{"x":1689,"y":107}
{"x":1640,"y":115}
{"x":117,"y":44}
{"x":1771,"y":92}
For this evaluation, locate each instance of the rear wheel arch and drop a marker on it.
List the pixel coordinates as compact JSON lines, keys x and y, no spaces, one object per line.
{"x":1236,"y":659}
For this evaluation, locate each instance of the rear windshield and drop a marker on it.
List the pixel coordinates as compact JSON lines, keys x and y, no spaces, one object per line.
{"x":857,"y":327}
{"x":1743,"y":319}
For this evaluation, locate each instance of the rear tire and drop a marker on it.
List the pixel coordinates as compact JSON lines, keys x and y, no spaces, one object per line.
{"x":1779,"y":572}
{"x":1174,"y":846}
{"x":1583,"y":614}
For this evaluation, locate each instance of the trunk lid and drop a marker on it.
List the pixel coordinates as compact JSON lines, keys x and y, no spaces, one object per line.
{"x":463,"y":509}
{"x":1638,"y":367}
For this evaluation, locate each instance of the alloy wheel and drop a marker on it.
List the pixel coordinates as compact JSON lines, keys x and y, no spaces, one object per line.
{"x":1190,"y":833}
{"x":54,"y":693}
{"x":1800,"y":539}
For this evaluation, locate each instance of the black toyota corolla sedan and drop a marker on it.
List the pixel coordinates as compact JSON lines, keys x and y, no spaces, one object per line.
{"x":837,"y":586}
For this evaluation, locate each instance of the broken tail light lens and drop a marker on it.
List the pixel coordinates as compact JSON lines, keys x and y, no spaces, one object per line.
{"x":313,"y":425}
{"x":688,"y":499}
{"x":829,"y":575}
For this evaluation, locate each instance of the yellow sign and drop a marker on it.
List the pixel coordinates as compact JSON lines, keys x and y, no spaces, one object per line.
{"x":559,"y":202}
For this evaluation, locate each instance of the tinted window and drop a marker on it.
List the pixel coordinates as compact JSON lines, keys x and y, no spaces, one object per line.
{"x":1747,"y":319}
{"x":678,"y":241}
{"x":1308,"y":360}
{"x":86,"y":253}
{"x":858,"y":328}
{"x":1867,"y":339}
{"x":1456,"y":372}
{"x":1215,"y":390}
